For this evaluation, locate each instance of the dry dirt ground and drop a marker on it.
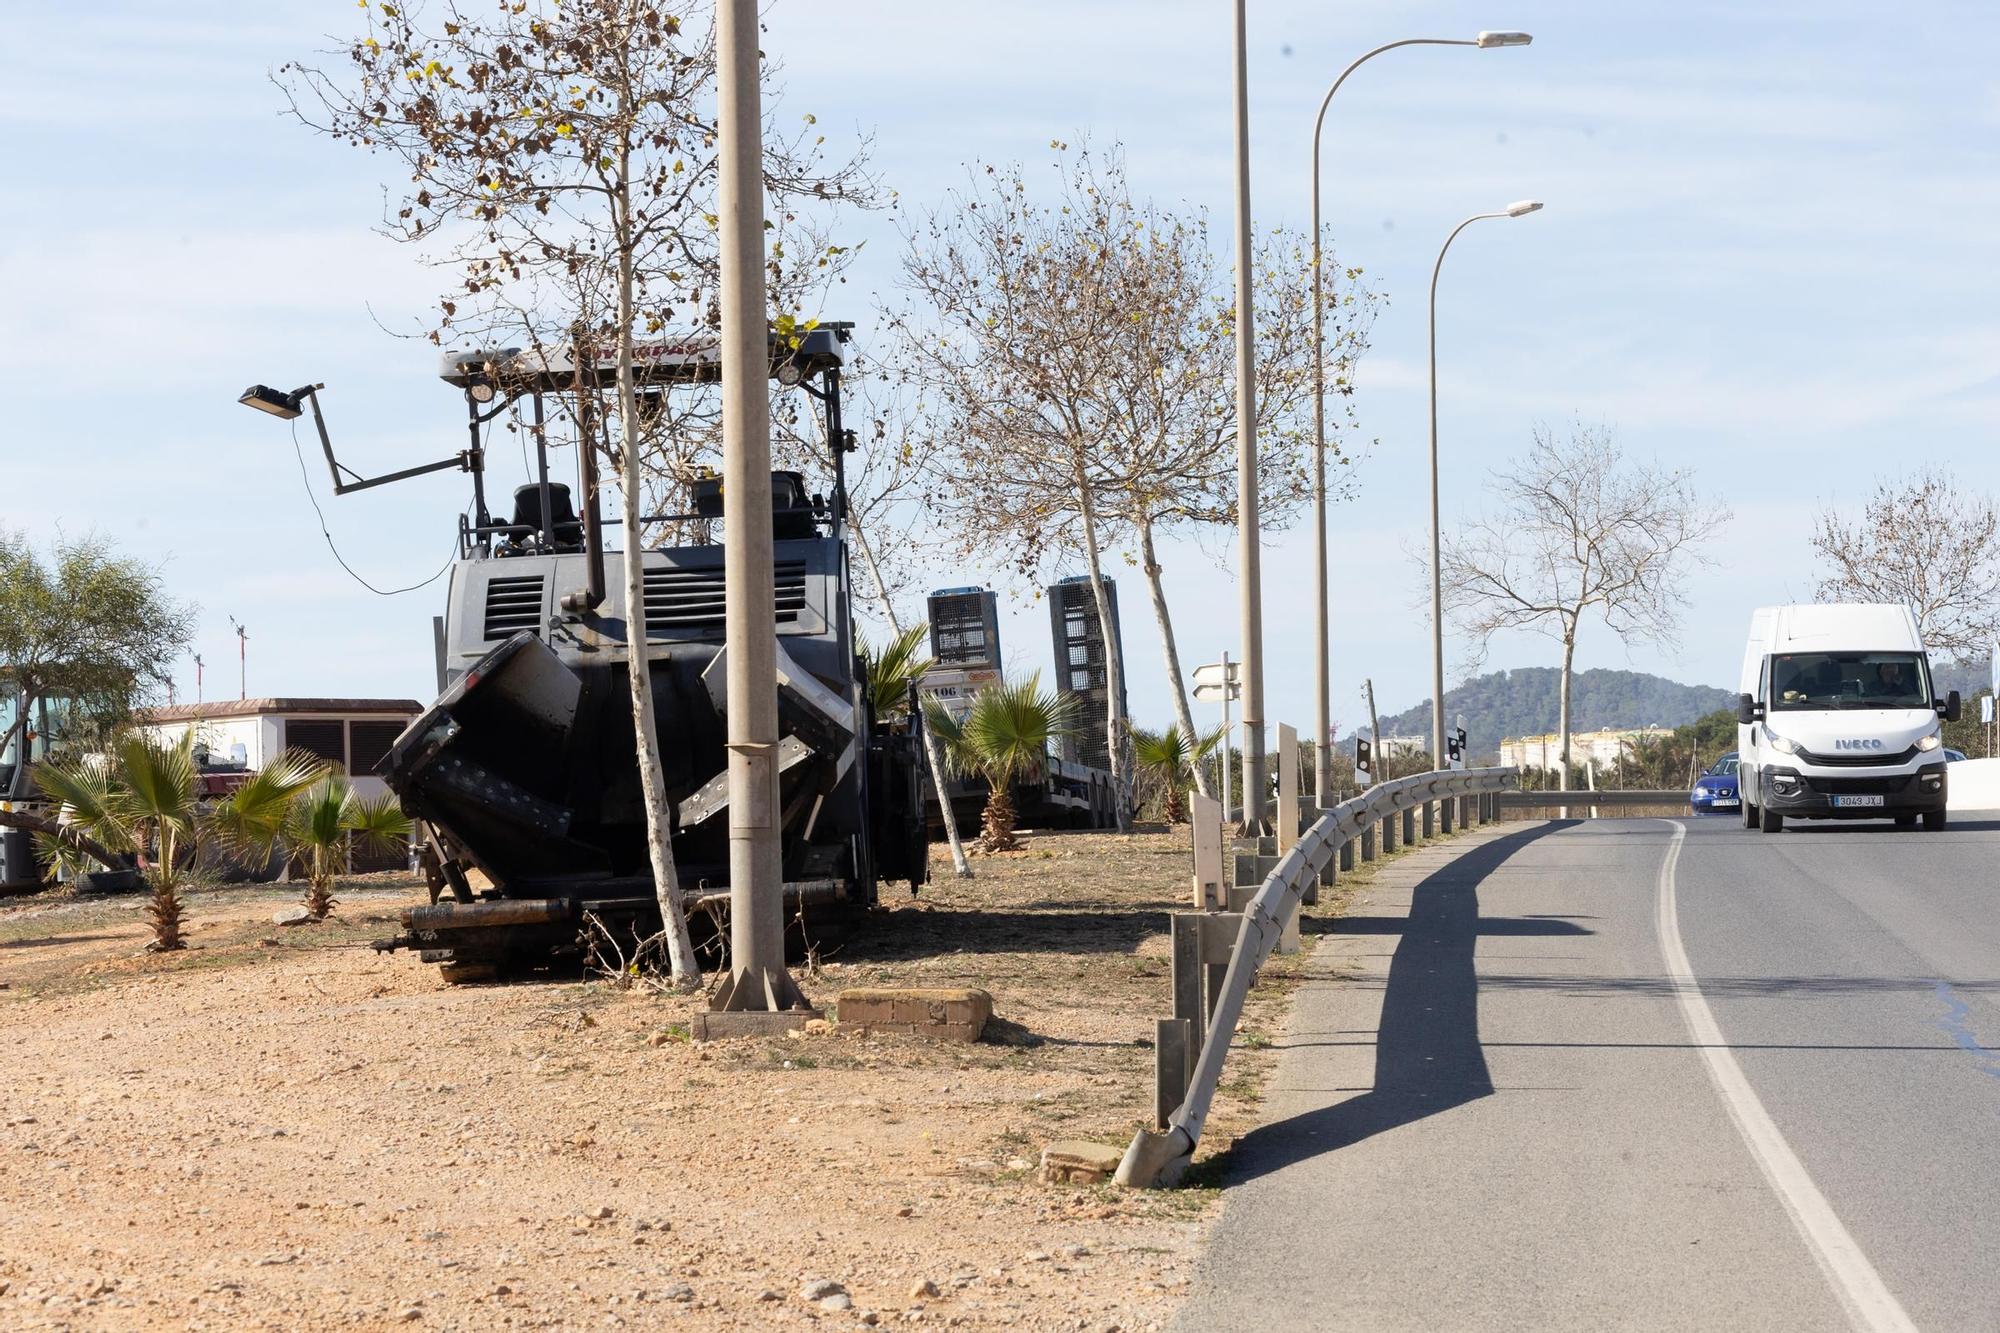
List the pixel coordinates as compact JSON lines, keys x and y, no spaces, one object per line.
{"x":279,"y":1128}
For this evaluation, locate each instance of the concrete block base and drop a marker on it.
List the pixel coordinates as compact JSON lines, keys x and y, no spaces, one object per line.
{"x":715,"y":1026}
{"x":948,"y":1013}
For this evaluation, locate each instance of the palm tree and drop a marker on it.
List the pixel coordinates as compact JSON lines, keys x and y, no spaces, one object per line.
{"x":317,"y":828}
{"x":141,"y":798}
{"x":1003,"y":739}
{"x":894,"y":668}
{"x":1170,"y":757}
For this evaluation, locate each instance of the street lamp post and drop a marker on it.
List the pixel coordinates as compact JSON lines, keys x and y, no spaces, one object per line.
{"x":1250,"y":574}
{"x":1323,"y":736}
{"x":1514,"y":210}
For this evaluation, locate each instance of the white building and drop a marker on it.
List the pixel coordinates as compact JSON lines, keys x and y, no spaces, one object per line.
{"x":353,"y":733}
{"x":1601,"y":748}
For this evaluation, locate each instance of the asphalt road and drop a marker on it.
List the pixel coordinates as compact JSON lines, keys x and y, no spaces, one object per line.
{"x":1610,"y":1074}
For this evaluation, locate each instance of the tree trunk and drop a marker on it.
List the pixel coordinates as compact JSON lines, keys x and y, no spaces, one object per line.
{"x":931,"y":753}
{"x":1375,"y":735}
{"x":27,"y":823}
{"x":1562,"y":751}
{"x":997,"y":834}
{"x":652,"y":778}
{"x":1118,"y":738}
{"x":1176,"y":684}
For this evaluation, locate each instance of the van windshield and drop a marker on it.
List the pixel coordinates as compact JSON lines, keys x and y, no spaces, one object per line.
{"x":1849,"y":680}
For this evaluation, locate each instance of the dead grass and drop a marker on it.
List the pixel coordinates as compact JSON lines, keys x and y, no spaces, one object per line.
{"x":441,"y":1146}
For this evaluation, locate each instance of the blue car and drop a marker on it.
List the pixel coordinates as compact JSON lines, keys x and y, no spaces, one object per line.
{"x":1715,"y":790}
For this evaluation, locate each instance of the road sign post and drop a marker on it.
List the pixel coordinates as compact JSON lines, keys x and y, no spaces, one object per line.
{"x":1219,"y":682}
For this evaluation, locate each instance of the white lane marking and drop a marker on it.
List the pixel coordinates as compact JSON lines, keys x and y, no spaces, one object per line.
{"x":1869,"y":1303}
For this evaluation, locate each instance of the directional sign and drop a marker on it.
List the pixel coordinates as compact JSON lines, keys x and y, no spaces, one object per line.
{"x":1986,"y":708}
{"x":1213,"y":674}
{"x":1216,"y":693}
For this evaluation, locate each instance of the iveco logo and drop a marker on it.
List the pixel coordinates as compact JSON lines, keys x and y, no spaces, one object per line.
{"x":1858,"y":745}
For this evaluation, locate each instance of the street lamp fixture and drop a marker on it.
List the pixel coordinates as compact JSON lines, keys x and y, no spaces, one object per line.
{"x":1323,"y":733}
{"x":1520,"y":208}
{"x":291,"y":406}
{"x":284,"y":406}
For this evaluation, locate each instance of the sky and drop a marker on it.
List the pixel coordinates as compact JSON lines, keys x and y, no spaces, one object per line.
{"x":1765,"y":258}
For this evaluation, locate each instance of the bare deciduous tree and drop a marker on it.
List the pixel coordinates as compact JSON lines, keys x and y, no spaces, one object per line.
{"x":1579,"y":529}
{"x":1022,"y":305}
{"x":1171,"y":453}
{"x":1925,"y":543}
{"x":1079,"y":354}
{"x":562,"y":160}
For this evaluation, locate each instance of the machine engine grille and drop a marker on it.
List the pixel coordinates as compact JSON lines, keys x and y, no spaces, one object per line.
{"x":513,"y":604}
{"x":693,"y":598}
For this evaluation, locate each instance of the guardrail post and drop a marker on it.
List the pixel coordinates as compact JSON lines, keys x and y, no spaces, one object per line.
{"x":1288,"y":820}
{"x":1390,"y":823}
{"x":1368,"y":841}
{"x":1205,"y":824}
{"x":1346,"y":857}
{"x":1410,"y":827}
{"x":1430,"y":825}
{"x":1173,"y":1061}
{"x":1447,"y":810}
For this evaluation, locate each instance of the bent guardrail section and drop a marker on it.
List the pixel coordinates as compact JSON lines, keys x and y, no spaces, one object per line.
{"x":1157,"y":1157}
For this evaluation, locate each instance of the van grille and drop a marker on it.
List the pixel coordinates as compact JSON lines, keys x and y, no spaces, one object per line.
{"x":693,"y":598}
{"x":1885,"y":786}
{"x":1862,"y":760}
{"x":513,"y":604}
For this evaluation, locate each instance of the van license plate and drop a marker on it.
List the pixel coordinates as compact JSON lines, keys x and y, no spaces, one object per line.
{"x":1854,"y":802}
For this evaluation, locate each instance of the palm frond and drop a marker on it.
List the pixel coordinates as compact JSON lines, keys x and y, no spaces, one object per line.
{"x":1011,"y":724}
{"x":252,"y":820}
{"x":378,"y":822}
{"x":85,"y":792}
{"x":157,"y":784}
{"x":317,"y":818}
{"x":893,"y":668}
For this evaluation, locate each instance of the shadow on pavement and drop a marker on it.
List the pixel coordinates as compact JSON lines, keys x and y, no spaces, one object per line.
{"x":1427,"y":1053}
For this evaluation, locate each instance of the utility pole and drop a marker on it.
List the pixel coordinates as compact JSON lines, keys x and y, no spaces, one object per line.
{"x":197,"y":677}
{"x":757,"y":977}
{"x":242,"y":658}
{"x":1251,"y":583}
{"x":1375,"y":732}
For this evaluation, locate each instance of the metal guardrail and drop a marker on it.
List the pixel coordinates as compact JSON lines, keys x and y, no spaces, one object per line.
{"x":1157,"y":1158}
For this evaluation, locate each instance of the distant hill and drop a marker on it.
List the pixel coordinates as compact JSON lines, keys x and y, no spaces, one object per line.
{"x":1527,"y":702}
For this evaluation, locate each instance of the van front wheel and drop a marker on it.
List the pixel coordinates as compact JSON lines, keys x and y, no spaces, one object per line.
{"x":1749,"y":815}
{"x":1770,"y":820}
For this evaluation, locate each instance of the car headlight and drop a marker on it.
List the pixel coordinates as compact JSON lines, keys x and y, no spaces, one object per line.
{"x":1930,"y":742}
{"x":1779,"y":743}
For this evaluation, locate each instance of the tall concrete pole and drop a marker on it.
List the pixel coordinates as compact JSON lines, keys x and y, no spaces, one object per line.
{"x":1437,"y":575}
{"x":1323,"y":730}
{"x":1249,"y":572}
{"x":757,"y":979}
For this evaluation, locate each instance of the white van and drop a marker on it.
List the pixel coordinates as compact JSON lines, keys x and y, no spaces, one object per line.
{"x":1836,"y":719}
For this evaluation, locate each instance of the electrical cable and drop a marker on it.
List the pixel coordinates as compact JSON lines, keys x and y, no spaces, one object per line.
{"x":306,"y":478}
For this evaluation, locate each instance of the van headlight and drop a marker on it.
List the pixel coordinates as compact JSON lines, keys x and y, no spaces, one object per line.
{"x":1930,"y":742}
{"x":1779,"y":743}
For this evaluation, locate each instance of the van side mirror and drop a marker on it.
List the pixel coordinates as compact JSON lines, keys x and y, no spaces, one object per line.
{"x":1949,"y":709}
{"x":1748,"y":710}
